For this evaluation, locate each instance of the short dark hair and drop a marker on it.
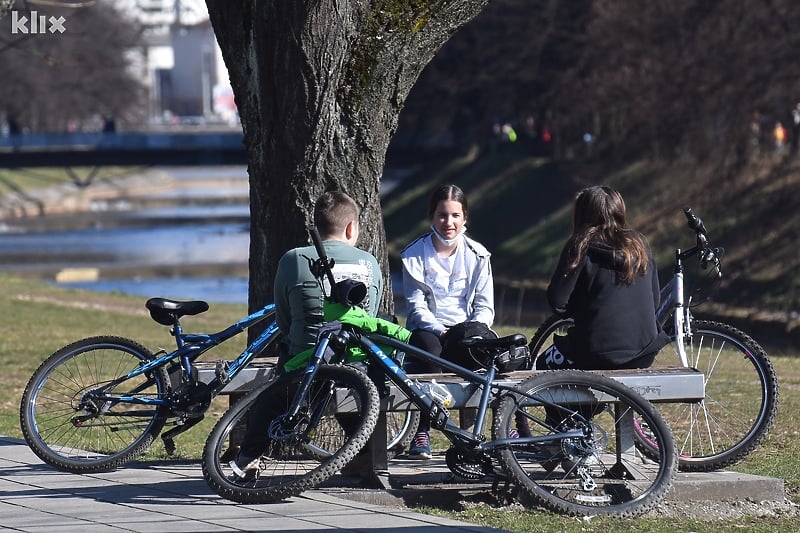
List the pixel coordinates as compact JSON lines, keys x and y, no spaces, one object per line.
{"x":447,"y":192}
{"x":333,"y":211}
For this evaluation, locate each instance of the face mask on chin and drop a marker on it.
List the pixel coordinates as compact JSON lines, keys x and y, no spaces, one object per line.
{"x":448,"y":242}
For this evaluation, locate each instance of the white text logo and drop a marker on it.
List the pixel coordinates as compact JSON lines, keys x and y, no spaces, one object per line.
{"x":36,"y":24}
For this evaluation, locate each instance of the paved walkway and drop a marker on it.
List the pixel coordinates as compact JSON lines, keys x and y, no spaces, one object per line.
{"x":174,"y":497}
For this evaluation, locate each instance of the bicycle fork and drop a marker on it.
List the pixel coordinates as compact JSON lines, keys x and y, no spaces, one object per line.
{"x":672,"y":300}
{"x":284,"y":426}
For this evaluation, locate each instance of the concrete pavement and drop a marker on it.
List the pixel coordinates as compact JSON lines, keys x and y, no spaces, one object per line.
{"x":172,"y":496}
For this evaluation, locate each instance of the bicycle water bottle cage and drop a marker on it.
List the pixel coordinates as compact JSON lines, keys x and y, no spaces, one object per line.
{"x":168,"y":312}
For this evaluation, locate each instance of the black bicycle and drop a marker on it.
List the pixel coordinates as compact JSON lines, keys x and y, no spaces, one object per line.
{"x":557,"y":436}
{"x":741,"y":399}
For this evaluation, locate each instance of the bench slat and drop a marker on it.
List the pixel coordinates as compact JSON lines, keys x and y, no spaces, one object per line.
{"x":668,"y":384}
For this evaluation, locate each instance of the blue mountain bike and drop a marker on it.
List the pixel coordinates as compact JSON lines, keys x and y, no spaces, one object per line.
{"x":555,"y":437}
{"x":100,"y":402}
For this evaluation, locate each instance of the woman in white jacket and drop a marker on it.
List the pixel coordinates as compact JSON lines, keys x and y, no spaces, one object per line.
{"x":447,"y":280}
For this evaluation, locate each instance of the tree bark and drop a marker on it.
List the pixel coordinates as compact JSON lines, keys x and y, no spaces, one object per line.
{"x":319,"y":85}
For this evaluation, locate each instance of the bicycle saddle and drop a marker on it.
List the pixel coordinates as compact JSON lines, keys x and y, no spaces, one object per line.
{"x":167,"y":312}
{"x":504,"y":343}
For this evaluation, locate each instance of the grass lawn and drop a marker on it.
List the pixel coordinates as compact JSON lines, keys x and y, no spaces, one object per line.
{"x":39,"y":319}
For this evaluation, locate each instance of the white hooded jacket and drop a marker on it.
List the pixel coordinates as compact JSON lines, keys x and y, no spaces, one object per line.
{"x":421,"y":304}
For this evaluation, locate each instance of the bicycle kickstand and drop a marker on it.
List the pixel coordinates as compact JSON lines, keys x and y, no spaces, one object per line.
{"x":168,"y":437}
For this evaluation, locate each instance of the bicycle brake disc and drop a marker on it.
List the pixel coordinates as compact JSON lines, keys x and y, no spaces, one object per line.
{"x":281,"y":429}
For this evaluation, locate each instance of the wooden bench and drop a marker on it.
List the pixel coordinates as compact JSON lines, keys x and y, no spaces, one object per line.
{"x":658,"y":385}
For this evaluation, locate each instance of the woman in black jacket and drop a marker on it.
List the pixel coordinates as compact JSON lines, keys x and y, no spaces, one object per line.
{"x":606,"y":281}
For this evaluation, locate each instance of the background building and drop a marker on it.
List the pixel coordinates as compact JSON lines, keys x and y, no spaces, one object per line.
{"x":182,"y":64}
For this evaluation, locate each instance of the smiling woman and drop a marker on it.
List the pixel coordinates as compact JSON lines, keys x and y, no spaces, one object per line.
{"x":447,"y":280}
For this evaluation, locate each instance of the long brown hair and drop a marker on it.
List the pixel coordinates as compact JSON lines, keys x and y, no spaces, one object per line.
{"x":599,"y":215}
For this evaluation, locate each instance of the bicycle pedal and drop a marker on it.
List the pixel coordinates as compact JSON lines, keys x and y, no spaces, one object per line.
{"x":221,"y":371}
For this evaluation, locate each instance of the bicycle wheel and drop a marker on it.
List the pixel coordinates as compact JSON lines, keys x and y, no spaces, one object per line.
{"x":69,"y":429}
{"x":595,"y":469}
{"x":309,"y":453}
{"x":401,"y":426}
{"x":543,"y":338}
{"x":740,"y":404}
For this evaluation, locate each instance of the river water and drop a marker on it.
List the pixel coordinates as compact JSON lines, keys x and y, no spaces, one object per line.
{"x":178,"y":243}
{"x":189,"y":240}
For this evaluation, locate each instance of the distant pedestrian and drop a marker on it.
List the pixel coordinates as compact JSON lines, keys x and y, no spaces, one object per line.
{"x":779,"y":136}
{"x":795,"y":140}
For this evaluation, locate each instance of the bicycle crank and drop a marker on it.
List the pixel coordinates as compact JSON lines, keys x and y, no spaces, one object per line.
{"x":471,"y":466}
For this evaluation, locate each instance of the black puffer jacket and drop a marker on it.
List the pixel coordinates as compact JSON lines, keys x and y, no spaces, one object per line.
{"x":615,"y":325}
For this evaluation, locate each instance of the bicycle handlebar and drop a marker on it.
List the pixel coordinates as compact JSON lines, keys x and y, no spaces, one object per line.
{"x":706,"y":252}
{"x":695,"y":223}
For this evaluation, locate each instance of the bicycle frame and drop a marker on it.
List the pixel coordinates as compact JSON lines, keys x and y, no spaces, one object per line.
{"x":190,"y":346}
{"x":672,"y":302}
{"x":369,"y":344}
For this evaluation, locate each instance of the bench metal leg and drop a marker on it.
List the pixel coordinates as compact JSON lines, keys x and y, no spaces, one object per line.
{"x":626,"y":446}
{"x":376,"y":472}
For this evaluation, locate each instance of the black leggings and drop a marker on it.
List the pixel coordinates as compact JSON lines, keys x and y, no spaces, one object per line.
{"x":429,"y":342}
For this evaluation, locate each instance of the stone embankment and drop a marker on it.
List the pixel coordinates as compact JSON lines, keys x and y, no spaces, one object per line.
{"x":103,"y":200}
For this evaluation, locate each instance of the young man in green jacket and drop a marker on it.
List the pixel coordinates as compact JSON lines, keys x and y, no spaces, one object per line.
{"x":300,"y":312}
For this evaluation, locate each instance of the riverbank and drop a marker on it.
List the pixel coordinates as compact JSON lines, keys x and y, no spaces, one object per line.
{"x":182,"y":200}
{"x":115,"y":199}
{"x":170,"y":224}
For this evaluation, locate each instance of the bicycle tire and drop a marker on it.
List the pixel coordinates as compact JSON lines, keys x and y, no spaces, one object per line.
{"x":290,"y":467}
{"x":543,"y":338}
{"x":66,"y":430}
{"x":584,"y":475}
{"x":401,"y":426}
{"x":740,"y":405}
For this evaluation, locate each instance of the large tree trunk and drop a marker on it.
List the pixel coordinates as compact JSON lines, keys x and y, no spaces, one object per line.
{"x":319,"y":85}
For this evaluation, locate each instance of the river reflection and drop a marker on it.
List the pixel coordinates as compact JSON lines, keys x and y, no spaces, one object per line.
{"x":145,"y":246}
{"x":219,"y":290}
{"x":185,"y":237}
{"x":137,"y":254}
